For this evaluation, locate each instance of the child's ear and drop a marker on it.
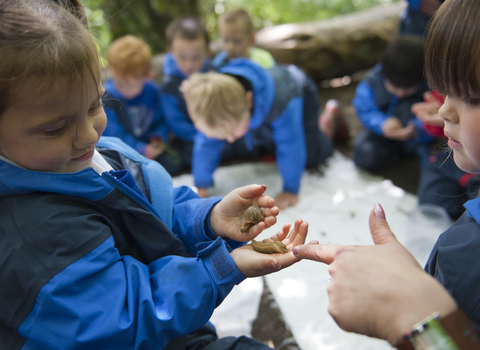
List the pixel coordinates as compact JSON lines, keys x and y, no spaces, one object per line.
{"x":252,"y":39}
{"x":150,"y":75}
{"x":249,"y":97}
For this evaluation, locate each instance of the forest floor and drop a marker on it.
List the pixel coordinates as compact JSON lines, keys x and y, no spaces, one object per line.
{"x":270,"y":327}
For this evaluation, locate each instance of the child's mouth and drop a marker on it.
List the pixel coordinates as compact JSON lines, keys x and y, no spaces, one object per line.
{"x":85,"y":157}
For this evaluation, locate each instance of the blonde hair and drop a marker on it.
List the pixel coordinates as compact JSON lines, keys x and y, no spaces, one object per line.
{"x":129,"y":55}
{"x":237,"y":16}
{"x":43,"y":44}
{"x":218,"y":99}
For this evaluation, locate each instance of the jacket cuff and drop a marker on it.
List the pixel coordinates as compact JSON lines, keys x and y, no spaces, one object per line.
{"x":201,"y":223}
{"x":219,"y":262}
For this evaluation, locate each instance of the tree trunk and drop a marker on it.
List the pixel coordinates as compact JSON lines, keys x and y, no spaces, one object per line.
{"x":147,"y":19}
{"x":335,"y":47}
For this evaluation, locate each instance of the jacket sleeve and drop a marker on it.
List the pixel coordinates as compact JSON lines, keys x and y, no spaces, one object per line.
{"x":178,"y":121}
{"x":369,"y":114}
{"x":105,"y":300}
{"x":116,"y":129}
{"x":289,"y":138}
{"x":207,"y":154}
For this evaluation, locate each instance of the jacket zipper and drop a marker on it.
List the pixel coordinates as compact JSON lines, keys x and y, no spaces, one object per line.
{"x":129,"y":192}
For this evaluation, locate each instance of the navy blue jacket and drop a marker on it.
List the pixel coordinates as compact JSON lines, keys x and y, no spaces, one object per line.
{"x":134,"y":121}
{"x":455,"y":261}
{"x":97,"y":261}
{"x":277,"y":117}
{"x":173,"y":103}
{"x":374,"y":105}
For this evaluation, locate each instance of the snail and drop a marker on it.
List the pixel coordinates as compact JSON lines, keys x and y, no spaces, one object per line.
{"x":253,"y":215}
{"x":269,"y":247}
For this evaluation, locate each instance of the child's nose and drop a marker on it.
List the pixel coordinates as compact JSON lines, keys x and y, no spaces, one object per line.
{"x":88,"y":133}
{"x":448,"y":111}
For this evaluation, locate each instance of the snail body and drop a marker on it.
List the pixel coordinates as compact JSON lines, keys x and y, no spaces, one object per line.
{"x":253,"y":215}
{"x":269,"y":247}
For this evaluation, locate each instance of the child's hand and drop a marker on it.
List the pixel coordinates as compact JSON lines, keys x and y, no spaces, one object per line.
{"x":392,"y":129}
{"x":284,"y":200}
{"x":154,"y":149}
{"x":202,"y":192}
{"x":253,"y":264}
{"x":427,"y":111}
{"x":226,"y":215}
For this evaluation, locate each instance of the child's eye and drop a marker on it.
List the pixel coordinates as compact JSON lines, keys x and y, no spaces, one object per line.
{"x":56,"y":132}
{"x":95,"y":107}
{"x":472,"y":101}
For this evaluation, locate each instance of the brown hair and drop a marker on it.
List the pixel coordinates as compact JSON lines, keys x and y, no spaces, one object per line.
{"x":219,"y":99}
{"x":129,"y":55}
{"x":453,"y":49}
{"x":190,"y":28}
{"x":42,"y":44}
{"x":237,"y":16}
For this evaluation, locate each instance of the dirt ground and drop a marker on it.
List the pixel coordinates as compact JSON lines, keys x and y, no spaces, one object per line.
{"x":270,"y":327}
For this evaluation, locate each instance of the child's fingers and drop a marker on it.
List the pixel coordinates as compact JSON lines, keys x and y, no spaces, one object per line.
{"x":274,"y":211}
{"x":302,"y":234}
{"x":280,"y":236}
{"x":296,"y":229}
{"x":266,"y":202}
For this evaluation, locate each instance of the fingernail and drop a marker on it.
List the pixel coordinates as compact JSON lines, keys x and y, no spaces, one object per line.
{"x":276,"y":265}
{"x":378,"y":211}
{"x":264,"y":187}
{"x":295,"y":250}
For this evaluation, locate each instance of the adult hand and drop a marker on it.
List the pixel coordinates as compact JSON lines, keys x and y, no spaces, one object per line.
{"x":380,"y":290}
{"x":284,"y":200}
{"x":427,"y":111}
{"x":226,"y":215}
{"x":253,"y":264}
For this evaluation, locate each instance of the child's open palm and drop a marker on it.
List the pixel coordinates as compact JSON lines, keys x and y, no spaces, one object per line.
{"x":226,"y":215}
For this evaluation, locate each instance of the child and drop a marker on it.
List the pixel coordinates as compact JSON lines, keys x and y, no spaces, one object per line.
{"x":383,"y":103}
{"x":380,"y":279}
{"x":238,"y":36}
{"x":257,"y":112}
{"x":187,"y":40}
{"x":441,"y":181}
{"x":132,"y":99}
{"x":417,"y":16}
{"x":98,"y":250}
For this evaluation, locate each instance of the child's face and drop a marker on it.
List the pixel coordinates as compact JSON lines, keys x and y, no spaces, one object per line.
{"x":55,"y":131}
{"x":229,"y":133}
{"x":462,"y":127}
{"x":189,"y":54}
{"x":399,"y":91}
{"x":130,"y":87}
{"x":235,"y":40}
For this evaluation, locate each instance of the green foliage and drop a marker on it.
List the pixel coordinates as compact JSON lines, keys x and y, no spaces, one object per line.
{"x":272,"y":12}
{"x":110,"y":19}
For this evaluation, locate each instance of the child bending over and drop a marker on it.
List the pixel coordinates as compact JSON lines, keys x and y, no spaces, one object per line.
{"x":257,"y":112}
{"x":98,"y":249}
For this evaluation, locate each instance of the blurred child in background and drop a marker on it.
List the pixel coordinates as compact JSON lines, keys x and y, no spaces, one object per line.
{"x":237,"y":33}
{"x":383,"y":102}
{"x":257,"y":112}
{"x":187,"y":43}
{"x":132,"y":100}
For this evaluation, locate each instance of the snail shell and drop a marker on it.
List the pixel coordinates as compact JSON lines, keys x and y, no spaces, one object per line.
{"x":253,"y":215}
{"x":269,"y":247}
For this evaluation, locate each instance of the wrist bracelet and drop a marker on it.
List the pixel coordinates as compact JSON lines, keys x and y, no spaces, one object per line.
{"x":452,"y":332}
